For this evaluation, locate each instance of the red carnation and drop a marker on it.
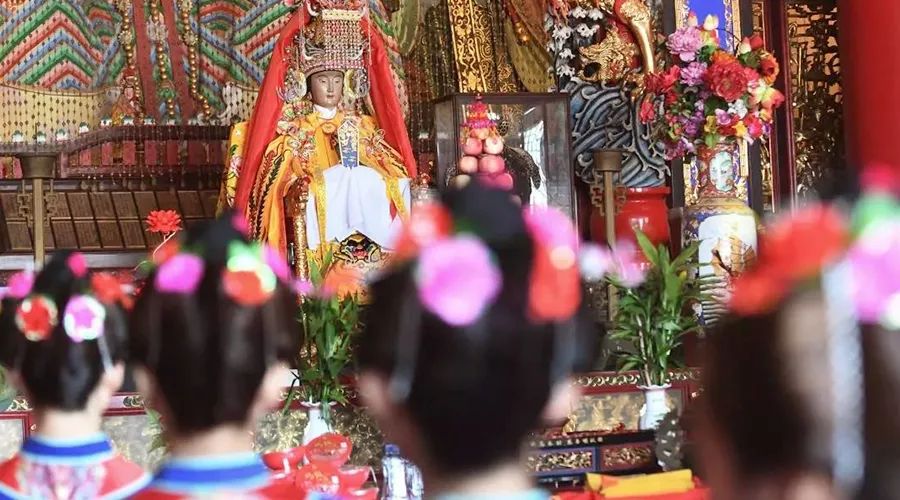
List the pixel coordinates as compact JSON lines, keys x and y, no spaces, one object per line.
{"x":648,"y":111}
{"x":756,"y":41}
{"x":727,"y":80}
{"x":769,"y":68}
{"x":163,"y":221}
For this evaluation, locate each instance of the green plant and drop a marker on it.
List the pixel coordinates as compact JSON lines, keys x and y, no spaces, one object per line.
{"x":155,"y":430}
{"x":656,"y":315}
{"x":330,"y":322}
{"x":7,"y":392}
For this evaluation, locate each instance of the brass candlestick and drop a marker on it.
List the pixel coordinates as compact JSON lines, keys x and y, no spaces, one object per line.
{"x":609,"y":163}
{"x":36,"y":167}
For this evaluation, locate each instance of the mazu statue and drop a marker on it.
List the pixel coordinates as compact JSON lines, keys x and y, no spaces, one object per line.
{"x":325,"y":162}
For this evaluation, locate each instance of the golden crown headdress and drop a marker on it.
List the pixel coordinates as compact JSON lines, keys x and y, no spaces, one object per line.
{"x":334,"y":39}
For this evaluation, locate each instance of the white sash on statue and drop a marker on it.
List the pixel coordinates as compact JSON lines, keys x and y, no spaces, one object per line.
{"x":356,"y":201}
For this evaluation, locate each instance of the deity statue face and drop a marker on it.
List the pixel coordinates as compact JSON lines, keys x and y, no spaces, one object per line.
{"x":327,"y":88}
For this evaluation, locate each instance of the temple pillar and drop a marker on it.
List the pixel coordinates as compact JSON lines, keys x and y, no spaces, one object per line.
{"x":870,"y":60}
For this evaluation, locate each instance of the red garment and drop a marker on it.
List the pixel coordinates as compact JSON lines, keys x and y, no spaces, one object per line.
{"x":272,"y":491}
{"x":121,"y":478}
{"x":261,"y":128}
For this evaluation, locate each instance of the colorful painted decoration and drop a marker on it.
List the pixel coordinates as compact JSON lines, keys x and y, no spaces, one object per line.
{"x":84,"y":318}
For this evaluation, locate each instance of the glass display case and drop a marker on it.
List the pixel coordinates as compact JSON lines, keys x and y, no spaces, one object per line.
{"x":536,"y":133}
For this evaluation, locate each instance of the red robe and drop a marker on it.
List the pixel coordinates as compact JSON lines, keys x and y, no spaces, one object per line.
{"x":64,"y":469}
{"x":241,"y":475}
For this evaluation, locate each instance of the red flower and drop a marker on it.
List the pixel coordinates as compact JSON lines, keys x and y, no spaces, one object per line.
{"x":722,"y":57}
{"x":648,"y":111}
{"x":756,"y":41}
{"x":671,"y":97}
{"x":727,"y":80}
{"x":107,"y":288}
{"x":769,"y":68}
{"x":245,"y":288}
{"x":163,"y":221}
{"x":754,"y":126}
{"x":660,"y":83}
{"x":757,"y":292}
{"x":797,"y":248}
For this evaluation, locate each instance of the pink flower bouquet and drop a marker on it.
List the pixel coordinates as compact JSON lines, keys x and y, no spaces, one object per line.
{"x":706,"y":95}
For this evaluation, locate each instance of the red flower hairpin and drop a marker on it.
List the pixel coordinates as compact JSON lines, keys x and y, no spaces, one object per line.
{"x":107,"y":288}
{"x":36,"y":317}
{"x":792,"y":250}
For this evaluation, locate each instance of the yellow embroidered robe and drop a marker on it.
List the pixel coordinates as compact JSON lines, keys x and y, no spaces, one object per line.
{"x":302,"y":151}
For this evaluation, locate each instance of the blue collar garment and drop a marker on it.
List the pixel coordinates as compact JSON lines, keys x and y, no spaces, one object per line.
{"x":241,"y":471}
{"x":86,"y":450}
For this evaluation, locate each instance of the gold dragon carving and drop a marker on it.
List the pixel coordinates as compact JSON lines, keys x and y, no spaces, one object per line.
{"x":614,"y":53}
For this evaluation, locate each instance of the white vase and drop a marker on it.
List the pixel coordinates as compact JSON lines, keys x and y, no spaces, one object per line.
{"x":655,"y":406}
{"x":316,"y":425}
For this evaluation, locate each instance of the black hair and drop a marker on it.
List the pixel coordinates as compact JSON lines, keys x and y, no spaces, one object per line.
{"x":777,"y":425}
{"x":206,"y":353}
{"x":756,"y":392}
{"x":58,"y":372}
{"x":476,"y":391}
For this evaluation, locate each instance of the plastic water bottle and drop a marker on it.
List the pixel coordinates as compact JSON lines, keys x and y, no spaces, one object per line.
{"x":414,"y":485}
{"x":393,"y":468}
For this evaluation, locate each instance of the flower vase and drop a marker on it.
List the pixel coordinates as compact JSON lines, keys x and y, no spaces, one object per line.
{"x":316,"y":424}
{"x":723,"y":224}
{"x":655,"y":406}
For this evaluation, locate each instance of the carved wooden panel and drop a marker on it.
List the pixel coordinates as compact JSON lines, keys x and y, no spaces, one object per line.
{"x":98,"y":219}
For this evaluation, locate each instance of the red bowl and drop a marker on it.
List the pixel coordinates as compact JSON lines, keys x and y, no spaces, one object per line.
{"x":353,"y":477}
{"x":277,"y":461}
{"x":363,"y":494}
{"x":319,"y":477}
{"x":331,"y":448}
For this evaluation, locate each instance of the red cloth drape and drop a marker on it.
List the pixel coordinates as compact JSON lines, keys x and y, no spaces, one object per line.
{"x":261,"y":128}
{"x":870,"y":77}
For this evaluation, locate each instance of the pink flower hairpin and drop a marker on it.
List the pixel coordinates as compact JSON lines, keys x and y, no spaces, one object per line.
{"x":20,"y":284}
{"x":457,"y":279}
{"x":77,"y":264}
{"x":179,"y":274}
{"x":84,"y":318}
